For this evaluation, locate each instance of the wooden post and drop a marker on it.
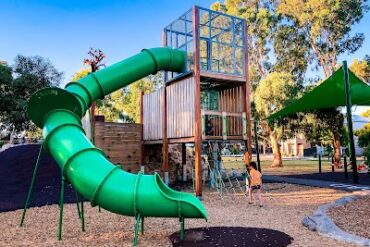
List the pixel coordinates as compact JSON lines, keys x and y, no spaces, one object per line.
{"x":246,"y":87}
{"x":165,"y":164}
{"x":198,"y":115}
{"x":183,"y":161}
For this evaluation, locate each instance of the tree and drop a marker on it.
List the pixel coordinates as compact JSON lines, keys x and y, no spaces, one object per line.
{"x":366,"y":114}
{"x":131,"y":97}
{"x":292,"y":52}
{"x":261,"y":19}
{"x":361,"y":68}
{"x":327,"y":27}
{"x":363,"y":135}
{"x":273,"y":93}
{"x":84,"y":71}
{"x":28,"y":75}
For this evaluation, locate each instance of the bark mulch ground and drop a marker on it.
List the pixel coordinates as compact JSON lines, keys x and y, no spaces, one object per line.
{"x":353,"y":217}
{"x":280,"y":220}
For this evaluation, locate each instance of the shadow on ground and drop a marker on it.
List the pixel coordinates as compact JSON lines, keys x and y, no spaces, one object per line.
{"x":337,"y":176}
{"x":16,"y":168}
{"x":231,"y":236}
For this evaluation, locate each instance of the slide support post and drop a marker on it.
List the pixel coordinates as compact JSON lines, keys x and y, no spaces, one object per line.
{"x":137,"y":224}
{"x":31,"y":185}
{"x":182,"y":226}
{"x":78,"y":205}
{"x":61,"y":203}
{"x":142,"y":225}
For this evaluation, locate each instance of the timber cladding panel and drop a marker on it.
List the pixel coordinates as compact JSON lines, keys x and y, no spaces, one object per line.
{"x":152,"y":115}
{"x":181,"y":108}
{"x":121,"y":142}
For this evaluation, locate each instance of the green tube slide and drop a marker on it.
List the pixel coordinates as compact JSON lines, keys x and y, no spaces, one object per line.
{"x":58,"y":112}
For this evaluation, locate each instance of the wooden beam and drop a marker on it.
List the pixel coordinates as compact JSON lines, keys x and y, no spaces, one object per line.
{"x":181,"y":140}
{"x":153,"y":142}
{"x":219,"y":113}
{"x":165,"y":157}
{"x":198,"y":115}
{"x":247,"y":91}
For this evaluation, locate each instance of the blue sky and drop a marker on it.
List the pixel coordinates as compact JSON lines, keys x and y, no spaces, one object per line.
{"x":63,"y":31}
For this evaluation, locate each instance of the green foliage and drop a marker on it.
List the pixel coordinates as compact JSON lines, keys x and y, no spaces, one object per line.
{"x":366,"y":114}
{"x":261,"y":19}
{"x":131,"y":97}
{"x":363,"y":135}
{"x":18,"y":83}
{"x":81,"y":73}
{"x":361,"y":68}
{"x":273,"y":93}
{"x":327,"y":27}
{"x":292,"y":50}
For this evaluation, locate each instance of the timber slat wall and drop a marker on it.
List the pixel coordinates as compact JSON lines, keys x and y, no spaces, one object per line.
{"x":231,"y":100}
{"x":152,"y":115}
{"x":121,"y":143}
{"x":181,"y":109}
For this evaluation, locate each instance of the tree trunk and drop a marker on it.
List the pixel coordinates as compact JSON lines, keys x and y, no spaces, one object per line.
{"x":336,"y":145}
{"x":277,"y":162}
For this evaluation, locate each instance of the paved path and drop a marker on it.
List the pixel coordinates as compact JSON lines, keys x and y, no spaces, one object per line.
{"x":316,"y":183}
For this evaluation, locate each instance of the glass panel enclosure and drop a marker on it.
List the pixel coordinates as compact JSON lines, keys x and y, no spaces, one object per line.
{"x":179,"y":35}
{"x":221,"y":45}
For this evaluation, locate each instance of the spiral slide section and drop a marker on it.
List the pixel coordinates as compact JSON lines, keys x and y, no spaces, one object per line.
{"x":58,"y":112}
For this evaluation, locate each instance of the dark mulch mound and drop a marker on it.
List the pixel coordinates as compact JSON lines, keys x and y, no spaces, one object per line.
{"x":231,"y":236}
{"x":16,"y":168}
{"x":337,"y":176}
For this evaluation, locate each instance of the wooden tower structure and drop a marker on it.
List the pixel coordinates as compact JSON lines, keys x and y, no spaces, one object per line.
{"x":210,"y":100}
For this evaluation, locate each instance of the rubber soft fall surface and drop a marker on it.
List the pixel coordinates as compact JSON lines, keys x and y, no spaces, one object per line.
{"x":86,"y":167}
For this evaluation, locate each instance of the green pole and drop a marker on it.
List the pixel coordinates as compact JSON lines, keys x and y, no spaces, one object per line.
{"x":137,"y":224}
{"x":82,"y":215}
{"x":182,"y":228}
{"x":257,"y":147}
{"x":142,"y":226}
{"x":61,"y":204}
{"x":31,"y":185}
{"x":349,"y":122}
{"x":78,"y":205}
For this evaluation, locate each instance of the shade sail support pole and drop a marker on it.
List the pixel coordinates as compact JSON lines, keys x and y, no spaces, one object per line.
{"x":349,"y":122}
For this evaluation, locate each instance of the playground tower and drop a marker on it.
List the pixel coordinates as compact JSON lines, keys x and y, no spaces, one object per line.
{"x":209,"y":101}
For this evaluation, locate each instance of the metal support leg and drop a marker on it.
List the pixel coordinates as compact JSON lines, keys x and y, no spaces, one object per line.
{"x":78,"y":205}
{"x":182,"y":226}
{"x":61,"y":203}
{"x":31,"y":185}
{"x":80,"y":210}
{"x":142,"y":226}
{"x":137,"y":224}
{"x":82,"y":215}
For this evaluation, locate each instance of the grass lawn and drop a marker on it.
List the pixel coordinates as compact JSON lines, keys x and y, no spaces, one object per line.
{"x":289,"y":166}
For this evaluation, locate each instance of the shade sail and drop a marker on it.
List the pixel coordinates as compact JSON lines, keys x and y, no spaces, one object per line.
{"x":330,"y":93}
